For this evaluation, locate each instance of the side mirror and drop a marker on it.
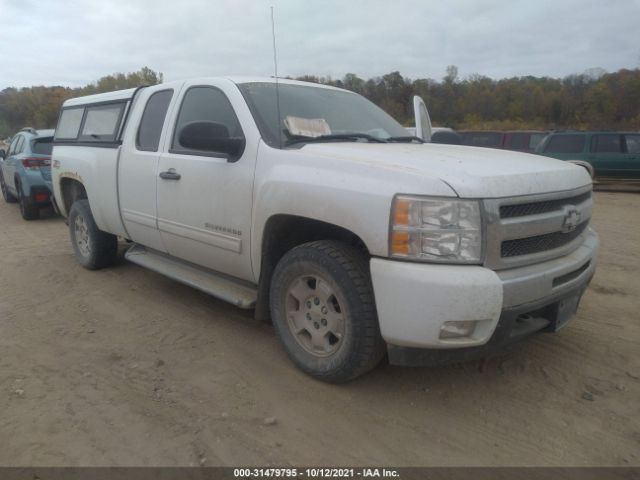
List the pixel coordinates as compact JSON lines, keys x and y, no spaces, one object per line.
{"x":211,"y":137}
{"x":3,"y":153}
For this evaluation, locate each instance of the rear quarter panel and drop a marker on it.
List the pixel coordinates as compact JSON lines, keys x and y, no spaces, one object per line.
{"x":96,"y":168}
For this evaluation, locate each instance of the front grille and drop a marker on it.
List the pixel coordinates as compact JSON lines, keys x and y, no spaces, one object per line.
{"x":535,"y":208}
{"x":540,"y":243}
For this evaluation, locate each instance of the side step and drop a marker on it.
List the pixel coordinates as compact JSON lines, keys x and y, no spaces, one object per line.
{"x":218,"y":285}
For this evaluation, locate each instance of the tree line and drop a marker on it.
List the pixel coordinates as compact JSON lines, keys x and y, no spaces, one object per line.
{"x":38,"y":107}
{"x":592,"y":100}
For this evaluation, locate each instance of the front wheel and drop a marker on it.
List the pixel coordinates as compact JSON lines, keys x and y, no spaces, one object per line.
{"x":324,"y":313}
{"x":93,"y":248}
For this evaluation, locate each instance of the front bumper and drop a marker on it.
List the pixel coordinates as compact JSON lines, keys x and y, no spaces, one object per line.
{"x":414,"y":301}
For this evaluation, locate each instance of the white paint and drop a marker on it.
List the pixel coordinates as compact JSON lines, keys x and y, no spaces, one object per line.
{"x":215,"y":215}
{"x":414,"y":300}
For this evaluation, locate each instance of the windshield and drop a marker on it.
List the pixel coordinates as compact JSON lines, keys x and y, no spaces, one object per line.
{"x":313,"y":112}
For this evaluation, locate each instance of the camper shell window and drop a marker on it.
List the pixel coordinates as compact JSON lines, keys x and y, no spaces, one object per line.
{"x":69,"y":124}
{"x":94,"y":124}
{"x":101,"y":123}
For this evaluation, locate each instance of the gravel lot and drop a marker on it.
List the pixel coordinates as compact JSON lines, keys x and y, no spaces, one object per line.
{"x":126,"y":367}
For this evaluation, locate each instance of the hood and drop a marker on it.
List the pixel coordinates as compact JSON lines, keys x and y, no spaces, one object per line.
{"x":472,"y":172}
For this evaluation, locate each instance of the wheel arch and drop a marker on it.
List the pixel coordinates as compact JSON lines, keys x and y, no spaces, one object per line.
{"x":71,"y":189}
{"x":281,"y":233}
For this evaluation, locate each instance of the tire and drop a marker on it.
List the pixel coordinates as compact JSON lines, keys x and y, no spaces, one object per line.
{"x":28,"y":210}
{"x":5,"y":193}
{"x":93,"y":248}
{"x":331,"y":331}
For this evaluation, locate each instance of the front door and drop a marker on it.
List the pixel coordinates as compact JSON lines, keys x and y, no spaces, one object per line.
{"x":205,"y":187}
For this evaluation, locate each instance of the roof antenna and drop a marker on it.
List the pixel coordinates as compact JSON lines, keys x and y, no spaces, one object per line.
{"x":275,"y":65}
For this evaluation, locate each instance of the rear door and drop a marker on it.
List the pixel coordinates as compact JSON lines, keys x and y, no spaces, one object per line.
{"x":17,"y":146}
{"x":606,"y":154}
{"x":632,"y":150}
{"x":138,"y":170}
{"x":205,"y":193}
{"x":423,"y":121}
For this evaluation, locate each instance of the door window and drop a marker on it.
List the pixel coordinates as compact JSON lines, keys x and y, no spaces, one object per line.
{"x":606,"y":144}
{"x":633,"y":143}
{"x":207,"y":104}
{"x":519,"y":141}
{"x":20,"y":145}
{"x":14,"y":144}
{"x":565,"y":144}
{"x":152,"y":121}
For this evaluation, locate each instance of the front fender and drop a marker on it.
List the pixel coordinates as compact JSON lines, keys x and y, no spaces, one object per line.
{"x":352,"y":196}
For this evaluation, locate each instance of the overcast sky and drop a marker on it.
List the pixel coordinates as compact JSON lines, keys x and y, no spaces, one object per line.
{"x":69,"y":42}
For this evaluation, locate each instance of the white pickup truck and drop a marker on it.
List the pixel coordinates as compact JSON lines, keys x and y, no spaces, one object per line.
{"x":313,"y":206}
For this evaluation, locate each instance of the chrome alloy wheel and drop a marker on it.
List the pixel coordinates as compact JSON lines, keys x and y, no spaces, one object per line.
{"x":315,"y":315}
{"x":81,"y":232}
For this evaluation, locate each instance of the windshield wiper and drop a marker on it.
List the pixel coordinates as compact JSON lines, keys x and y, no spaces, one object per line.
{"x":335,"y":136}
{"x":405,"y":139}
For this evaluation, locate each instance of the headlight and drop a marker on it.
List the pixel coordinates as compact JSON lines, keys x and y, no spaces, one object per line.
{"x":436,"y":230}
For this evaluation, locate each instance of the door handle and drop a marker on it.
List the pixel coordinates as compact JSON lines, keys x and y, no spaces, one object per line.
{"x":170,"y":175}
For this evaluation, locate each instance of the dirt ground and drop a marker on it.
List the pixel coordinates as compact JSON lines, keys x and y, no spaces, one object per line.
{"x":125,"y":367}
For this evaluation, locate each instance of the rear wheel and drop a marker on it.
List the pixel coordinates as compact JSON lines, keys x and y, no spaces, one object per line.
{"x":324,"y":312}
{"x":93,"y":248}
{"x":5,"y":193}
{"x":28,"y":210}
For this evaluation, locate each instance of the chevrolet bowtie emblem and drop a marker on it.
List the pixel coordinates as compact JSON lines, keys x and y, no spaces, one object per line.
{"x":571,"y":220}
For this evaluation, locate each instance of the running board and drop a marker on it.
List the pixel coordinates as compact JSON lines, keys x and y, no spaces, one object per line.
{"x":216,"y":284}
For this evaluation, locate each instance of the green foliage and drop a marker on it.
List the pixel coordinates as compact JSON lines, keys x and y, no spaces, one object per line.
{"x":593,"y":100}
{"x":38,"y":107}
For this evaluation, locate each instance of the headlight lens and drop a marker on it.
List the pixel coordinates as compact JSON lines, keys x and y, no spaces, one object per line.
{"x":436,"y":230}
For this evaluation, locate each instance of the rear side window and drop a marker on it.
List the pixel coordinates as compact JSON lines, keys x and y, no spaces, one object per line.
{"x":152,"y":121}
{"x":535,"y":140}
{"x":519,"y":141}
{"x":43,"y":146}
{"x":14,"y":144}
{"x":633,"y":143}
{"x":205,"y":104}
{"x":69,"y":124}
{"x":606,"y":144}
{"x":101,"y":123}
{"x":565,"y":144}
{"x":20,"y":145}
{"x":480,"y":139}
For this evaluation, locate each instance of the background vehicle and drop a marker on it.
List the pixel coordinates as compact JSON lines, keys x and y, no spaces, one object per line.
{"x":25,"y":173}
{"x":612,"y":154}
{"x":313,"y":206}
{"x":482,"y":138}
{"x":445,"y":135}
{"x":523,"y":140}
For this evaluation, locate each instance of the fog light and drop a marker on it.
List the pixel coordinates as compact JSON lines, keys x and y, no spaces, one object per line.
{"x":457,"y":329}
